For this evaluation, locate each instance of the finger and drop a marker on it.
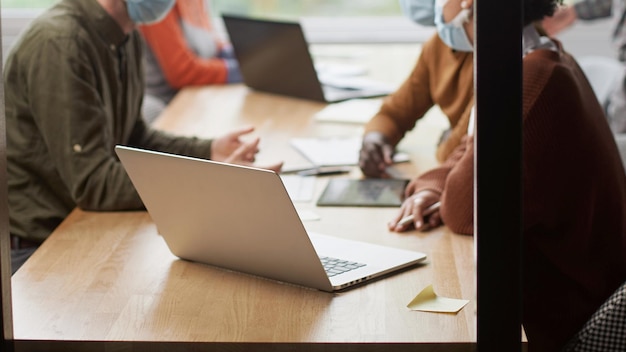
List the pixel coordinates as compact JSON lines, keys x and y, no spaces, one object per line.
{"x":274,"y":167}
{"x":372,"y":164}
{"x":419,"y":208}
{"x":375,"y":157}
{"x":387,"y":152}
{"x":434,"y":219}
{"x":252,"y":147}
{"x":410,"y":189}
{"x":249,"y":150}
{"x":419,"y":224}
{"x":369,"y":169}
{"x":239,"y":155}
{"x":424,"y":227}
{"x":399,"y":225}
{"x":241,"y":131}
{"x":365,"y":162}
{"x":403,"y":220}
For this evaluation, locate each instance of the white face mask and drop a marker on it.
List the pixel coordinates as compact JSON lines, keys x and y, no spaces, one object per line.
{"x":420,"y":11}
{"x":148,"y":11}
{"x":453,"y":33}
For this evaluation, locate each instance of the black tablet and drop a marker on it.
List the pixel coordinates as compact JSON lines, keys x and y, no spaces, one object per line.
{"x":363,"y":192}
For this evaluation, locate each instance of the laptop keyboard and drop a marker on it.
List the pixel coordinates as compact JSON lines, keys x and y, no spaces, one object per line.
{"x":334,"y":266}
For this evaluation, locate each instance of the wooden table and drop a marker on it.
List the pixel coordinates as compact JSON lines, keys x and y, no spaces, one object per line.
{"x":109,"y":275}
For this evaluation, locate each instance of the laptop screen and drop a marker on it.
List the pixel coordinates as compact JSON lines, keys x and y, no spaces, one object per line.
{"x":274,"y":57}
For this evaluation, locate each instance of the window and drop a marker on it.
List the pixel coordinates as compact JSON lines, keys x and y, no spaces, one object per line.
{"x":317,"y":8}
{"x":26,"y":4}
{"x":282,"y":8}
{"x":324,"y":21}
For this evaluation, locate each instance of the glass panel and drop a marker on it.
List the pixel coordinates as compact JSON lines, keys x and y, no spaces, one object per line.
{"x":27,"y":4}
{"x":292,"y":9}
{"x":275,"y":8}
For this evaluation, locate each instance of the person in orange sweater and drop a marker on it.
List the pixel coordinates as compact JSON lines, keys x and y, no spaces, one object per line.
{"x":184,"y":50}
{"x":442,"y":76}
{"x":574,"y":188}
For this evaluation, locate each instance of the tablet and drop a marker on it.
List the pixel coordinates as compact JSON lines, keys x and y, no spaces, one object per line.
{"x":388,"y":192}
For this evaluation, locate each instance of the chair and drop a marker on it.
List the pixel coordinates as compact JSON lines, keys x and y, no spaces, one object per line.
{"x":606,"y":329}
{"x":603,"y":73}
{"x":620,"y":140}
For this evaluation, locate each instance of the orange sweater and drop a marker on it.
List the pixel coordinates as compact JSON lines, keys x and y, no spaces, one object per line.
{"x":440,"y":77}
{"x":179,"y":63}
{"x":574,"y":200}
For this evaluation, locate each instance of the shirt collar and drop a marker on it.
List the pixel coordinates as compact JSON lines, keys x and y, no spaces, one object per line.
{"x":531,"y":41}
{"x":107,"y":28}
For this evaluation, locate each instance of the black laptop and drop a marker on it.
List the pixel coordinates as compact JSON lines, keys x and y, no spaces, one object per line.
{"x":274,"y":58}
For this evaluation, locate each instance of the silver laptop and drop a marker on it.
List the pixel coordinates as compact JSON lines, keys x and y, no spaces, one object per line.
{"x":274,"y":57}
{"x":242,"y":219}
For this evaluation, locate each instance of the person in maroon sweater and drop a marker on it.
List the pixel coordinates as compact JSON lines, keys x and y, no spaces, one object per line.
{"x":574,"y":190}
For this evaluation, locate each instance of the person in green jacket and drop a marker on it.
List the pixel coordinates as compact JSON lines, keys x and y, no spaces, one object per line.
{"x":74,"y":87}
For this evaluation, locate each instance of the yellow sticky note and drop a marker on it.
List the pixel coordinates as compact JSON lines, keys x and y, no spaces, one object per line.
{"x":428,"y":301}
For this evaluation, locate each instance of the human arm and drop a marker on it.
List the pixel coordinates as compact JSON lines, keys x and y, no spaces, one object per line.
{"x":73,"y":122}
{"x":563,"y":18}
{"x":401,"y":110}
{"x":397,"y":115}
{"x":375,"y":155}
{"x":452,"y":184}
{"x":228,"y":148}
{"x":421,"y":209}
{"x":70,"y":118}
{"x":585,"y":10}
{"x":441,"y":77}
{"x":231,"y":149}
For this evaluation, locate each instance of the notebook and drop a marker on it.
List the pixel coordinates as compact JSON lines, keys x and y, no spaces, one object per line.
{"x":242,"y":219}
{"x":274,"y":57}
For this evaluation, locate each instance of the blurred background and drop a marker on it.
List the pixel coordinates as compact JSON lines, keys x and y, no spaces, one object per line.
{"x":333,"y":21}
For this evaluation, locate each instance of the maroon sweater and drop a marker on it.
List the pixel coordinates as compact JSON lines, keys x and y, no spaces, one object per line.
{"x":574,"y":200}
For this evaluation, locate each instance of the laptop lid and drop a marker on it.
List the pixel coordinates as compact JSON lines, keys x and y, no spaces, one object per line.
{"x":241,"y":218}
{"x":274,"y":57}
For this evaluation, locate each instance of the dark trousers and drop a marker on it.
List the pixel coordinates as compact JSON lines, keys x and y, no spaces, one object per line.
{"x":19,"y":257}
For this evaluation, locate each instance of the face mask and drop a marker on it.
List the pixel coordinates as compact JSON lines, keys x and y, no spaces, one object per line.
{"x":420,"y":11}
{"x":148,"y":11}
{"x":452,"y":33}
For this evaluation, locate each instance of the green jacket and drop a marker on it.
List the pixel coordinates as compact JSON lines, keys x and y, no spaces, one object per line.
{"x":74,"y":86}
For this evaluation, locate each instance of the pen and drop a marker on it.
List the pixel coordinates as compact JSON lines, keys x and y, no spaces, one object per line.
{"x":410,"y":218}
{"x":325,"y":171}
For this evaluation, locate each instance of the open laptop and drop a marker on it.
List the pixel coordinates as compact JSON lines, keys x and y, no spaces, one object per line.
{"x":274,"y":57}
{"x":242,"y":219}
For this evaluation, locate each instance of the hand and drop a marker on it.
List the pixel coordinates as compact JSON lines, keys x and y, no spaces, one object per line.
{"x":233,"y":74}
{"x":376,"y":155}
{"x":226,"y":52}
{"x":230,"y":149}
{"x":417,"y":205}
{"x":223,"y":147}
{"x":561,"y":19}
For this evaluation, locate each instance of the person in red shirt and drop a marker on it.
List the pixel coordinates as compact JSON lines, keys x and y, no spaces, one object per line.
{"x":184,"y":50}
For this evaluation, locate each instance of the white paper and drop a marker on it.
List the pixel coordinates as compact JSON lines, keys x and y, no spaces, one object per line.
{"x":358,"y":111}
{"x":299,"y":188}
{"x":334,"y":151}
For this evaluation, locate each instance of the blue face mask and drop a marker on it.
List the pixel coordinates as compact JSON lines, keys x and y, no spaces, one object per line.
{"x":420,"y":11}
{"x":148,"y":11}
{"x":453,"y":33}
